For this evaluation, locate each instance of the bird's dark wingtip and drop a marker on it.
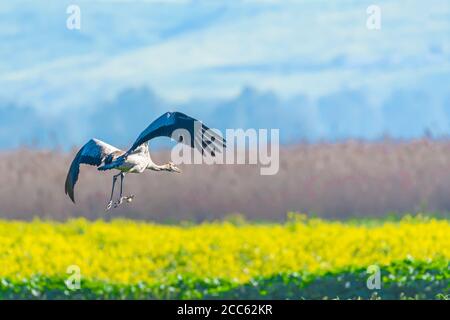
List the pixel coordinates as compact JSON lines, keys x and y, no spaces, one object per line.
{"x":69,"y":192}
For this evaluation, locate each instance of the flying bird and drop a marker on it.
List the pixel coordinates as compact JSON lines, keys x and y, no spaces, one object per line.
{"x":176,"y":125}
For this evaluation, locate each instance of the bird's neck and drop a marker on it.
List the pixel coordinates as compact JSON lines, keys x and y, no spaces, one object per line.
{"x":155,"y":167}
{"x":151,"y":165}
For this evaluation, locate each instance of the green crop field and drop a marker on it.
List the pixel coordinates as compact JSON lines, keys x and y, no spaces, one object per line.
{"x":300,"y":259}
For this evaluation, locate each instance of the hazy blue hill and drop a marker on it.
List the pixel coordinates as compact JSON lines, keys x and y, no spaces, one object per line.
{"x":121,"y":120}
{"x":250,"y":109}
{"x":348,"y":114}
{"x":413,"y":113}
{"x":337,"y":116}
{"x":311,"y":69}
{"x":19,"y":126}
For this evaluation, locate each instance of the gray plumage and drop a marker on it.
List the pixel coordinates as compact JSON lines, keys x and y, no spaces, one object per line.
{"x":167,"y":124}
{"x":137,"y":159}
{"x":94,"y":153}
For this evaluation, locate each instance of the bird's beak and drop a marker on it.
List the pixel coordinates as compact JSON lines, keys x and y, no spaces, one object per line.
{"x":176,"y":169}
{"x":173,"y":167}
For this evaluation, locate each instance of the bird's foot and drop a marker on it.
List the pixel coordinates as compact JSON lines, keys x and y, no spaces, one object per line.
{"x":109,"y":206}
{"x":128,"y":199}
{"x":118,"y":203}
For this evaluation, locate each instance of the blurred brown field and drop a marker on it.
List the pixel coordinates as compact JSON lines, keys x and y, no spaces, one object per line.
{"x":330,"y":180}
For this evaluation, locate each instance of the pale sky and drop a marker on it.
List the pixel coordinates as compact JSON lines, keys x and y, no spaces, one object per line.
{"x":211,"y":49}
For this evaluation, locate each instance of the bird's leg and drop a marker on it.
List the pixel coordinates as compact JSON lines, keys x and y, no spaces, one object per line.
{"x":112,"y":192}
{"x":122,"y":176}
{"x":121,"y":197}
{"x":119,"y":202}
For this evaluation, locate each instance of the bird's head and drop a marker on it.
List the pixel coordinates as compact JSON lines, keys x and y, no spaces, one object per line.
{"x":173,"y":168}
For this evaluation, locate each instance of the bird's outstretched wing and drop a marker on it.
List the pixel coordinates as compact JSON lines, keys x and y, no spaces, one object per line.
{"x":200,"y":136}
{"x":94,"y":153}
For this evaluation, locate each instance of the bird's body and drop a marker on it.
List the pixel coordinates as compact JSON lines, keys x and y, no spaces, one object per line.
{"x":135,"y":162}
{"x":137,"y":159}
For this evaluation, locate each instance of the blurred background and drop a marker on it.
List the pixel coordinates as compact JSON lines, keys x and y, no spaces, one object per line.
{"x":364,"y":115}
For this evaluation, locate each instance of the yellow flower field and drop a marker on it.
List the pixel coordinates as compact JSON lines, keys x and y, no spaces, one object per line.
{"x":129,"y":253}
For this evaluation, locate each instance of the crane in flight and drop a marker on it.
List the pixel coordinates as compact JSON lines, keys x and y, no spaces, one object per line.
{"x":175,"y":125}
